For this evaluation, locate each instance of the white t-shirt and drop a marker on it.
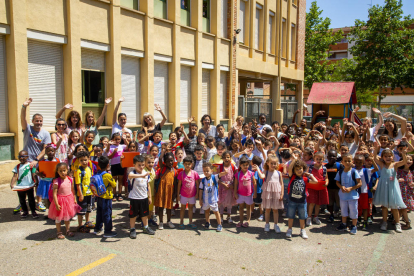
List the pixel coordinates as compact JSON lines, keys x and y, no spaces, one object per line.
{"x":116,"y":128}
{"x":211,"y":153}
{"x":139,"y":188}
{"x":352,"y":148}
{"x":198,"y":167}
{"x":364,"y":187}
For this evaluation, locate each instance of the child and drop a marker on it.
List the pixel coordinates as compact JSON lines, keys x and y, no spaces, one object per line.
{"x":257,"y":163}
{"x":140,"y":197}
{"x":63,"y":207}
{"x":74,"y":138}
{"x":226,"y":198}
{"x":297,"y":193}
{"x":23,"y":182}
{"x":350,"y":138}
{"x":188,"y":181}
{"x":234,"y":149}
{"x":97,"y":152}
{"x":154,"y":152}
{"x":388,"y":185}
{"x":157,"y":140}
{"x":132,"y":147}
{"x":166,"y":176}
{"x":104,"y":202}
{"x":149,"y":167}
{"x":332,"y":168}
{"x":348,"y":181}
{"x":308,"y":156}
{"x":179,"y":156}
{"x":272,"y":191}
{"x":114,"y":151}
{"x":318,"y":197}
{"x":198,"y":164}
{"x":208,"y":195}
{"x":260,"y":151}
{"x":248,"y":152}
{"x":174,"y":142}
{"x":244,"y":190}
{"x":216,"y":160}
{"x":89,"y":137}
{"x":211,"y":149}
{"x":405,"y":178}
{"x":220,"y":133}
{"x":82,"y":177}
{"x":141,"y":143}
{"x":104,"y":141}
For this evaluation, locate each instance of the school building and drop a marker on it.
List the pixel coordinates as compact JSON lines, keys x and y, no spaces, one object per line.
{"x":193,"y":57}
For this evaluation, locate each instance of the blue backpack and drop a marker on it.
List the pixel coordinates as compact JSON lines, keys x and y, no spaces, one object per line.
{"x":97,"y":184}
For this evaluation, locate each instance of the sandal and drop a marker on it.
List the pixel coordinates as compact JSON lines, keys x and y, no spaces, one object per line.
{"x":406,"y":226}
{"x":192,"y":225}
{"x":238,"y":225}
{"x":181,"y":226}
{"x":89,"y":224}
{"x":60,"y":236}
{"x":245,"y":225}
{"x":83,"y":229}
{"x":70,"y":234}
{"x":120,"y":198}
{"x":114,"y":198}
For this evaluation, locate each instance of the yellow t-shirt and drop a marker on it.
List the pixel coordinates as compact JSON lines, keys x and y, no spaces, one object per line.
{"x":83,"y":177}
{"x":110,"y":184}
{"x":90,"y":149}
{"x":216,"y":160}
{"x":151,"y":181}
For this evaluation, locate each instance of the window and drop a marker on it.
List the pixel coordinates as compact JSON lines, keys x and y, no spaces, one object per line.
{"x":185,"y":12}
{"x":270,"y":35}
{"x":224,"y":4}
{"x":206,"y":16}
{"x":160,"y":8}
{"x":131,"y":4}
{"x":242,"y":20}
{"x":93,"y":87}
{"x":257,"y":27}
{"x":293,"y":43}
{"x":283,"y":42}
{"x":338,"y":55}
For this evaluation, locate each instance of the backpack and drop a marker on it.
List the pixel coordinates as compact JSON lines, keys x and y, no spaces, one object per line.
{"x":131,"y":182}
{"x":353,"y":171}
{"x":221,"y":168}
{"x":323,"y":168}
{"x":97,"y":184}
{"x":50,"y":192}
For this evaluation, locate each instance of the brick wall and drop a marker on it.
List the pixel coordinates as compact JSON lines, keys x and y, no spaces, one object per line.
{"x":300,"y":45}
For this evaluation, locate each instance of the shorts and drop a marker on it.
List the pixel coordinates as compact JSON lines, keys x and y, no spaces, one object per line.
{"x":363,"y":203}
{"x":138,"y":207}
{"x":318,"y":197}
{"x":190,"y":200}
{"x":86,"y":205}
{"x":349,"y":208}
{"x":213,"y":207}
{"x":333,"y":197}
{"x":258,"y":199}
{"x":245,"y":199}
{"x":116,"y":169}
{"x":293,"y":207}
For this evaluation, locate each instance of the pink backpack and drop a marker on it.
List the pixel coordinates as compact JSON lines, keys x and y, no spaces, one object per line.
{"x":50,"y":193}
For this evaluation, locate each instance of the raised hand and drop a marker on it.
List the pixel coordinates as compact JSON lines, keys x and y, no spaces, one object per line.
{"x":27,"y":102}
{"x":320,"y":112}
{"x":108,"y":100}
{"x":190,"y":120}
{"x":387,"y":114}
{"x":376,"y":111}
{"x":68,"y":106}
{"x":356,"y":109}
{"x":121,"y":99}
{"x":158,"y":107}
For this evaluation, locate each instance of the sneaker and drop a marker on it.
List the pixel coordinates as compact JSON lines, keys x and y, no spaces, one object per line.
{"x":40,"y":207}
{"x":341,"y":227}
{"x":161,"y":226}
{"x":364,"y":226}
{"x":316,"y":220}
{"x":96,"y":232}
{"x":336,"y":215}
{"x":284,"y":214}
{"x":24,"y":215}
{"x":172,"y":212}
{"x":17,"y":209}
{"x":152,"y":222}
{"x":35,"y":215}
{"x":219,"y":228}
{"x":384,"y":226}
{"x":176,"y":206}
{"x":229,"y":220}
{"x":267,"y":227}
{"x":260,"y":218}
{"x":277,"y":229}
{"x":303,"y":234}
{"x":398,"y":228}
{"x":353,"y":230}
{"x":75,"y":218}
{"x":148,"y":231}
{"x":369,"y":220}
{"x":201,"y":211}
{"x":331,"y":219}
{"x":110,"y":235}
{"x":308,"y":221}
{"x":207,"y":225}
{"x":326,"y":212}
{"x":170,"y":224}
{"x":289,"y":233}
{"x":155,"y":218}
{"x":133,"y":233}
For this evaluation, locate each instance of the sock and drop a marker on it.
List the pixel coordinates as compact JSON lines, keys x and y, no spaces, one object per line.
{"x":145,"y":226}
{"x":132,"y":229}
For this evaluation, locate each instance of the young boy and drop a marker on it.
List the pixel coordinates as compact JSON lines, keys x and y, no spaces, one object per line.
{"x":198,"y":167}
{"x":317,"y":198}
{"x":23,"y":177}
{"x":220,"y":133}
{"x":97,"y":151}
{"x":82,"y":176}
{"x":190,"y":141}
{"x":260,"y":151}
{"x":348,"y":181}
{"x":157,"y":136}
{"x":140,"y":197}
{"x":208,"y":195}
{"x":149,"y":167}
{"x":104,"y":202}
{"x":248,"y":152}
{"x":332,"y":168}
{"x":258,"y":200}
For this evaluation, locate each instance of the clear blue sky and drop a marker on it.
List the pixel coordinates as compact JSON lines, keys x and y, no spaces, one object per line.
{"x":344,"y":12}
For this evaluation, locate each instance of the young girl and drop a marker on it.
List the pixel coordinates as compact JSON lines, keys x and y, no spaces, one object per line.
{"x":132,"y":147}
{"x":226,"y":187}
{"x":114,"y":151}
{"x":89,"y":137}
{"x":104,"y":141}
{"x":234,"y":149}
{"x":211,"y":149}
{"x":74,"y":139}
{"x":165,"y":190}
{"x":388,"y":193}
{"x":272,"y":192}
{"x":244,"y":190}
{"x":406,"y":178}
{"x":154,"y":151}
{"x":60,"y":135}
{"x":64,"y":205}
{"x":308,"y":156}
{"x":179,"y":156}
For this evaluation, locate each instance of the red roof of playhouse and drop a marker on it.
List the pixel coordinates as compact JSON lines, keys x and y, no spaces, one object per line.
{"x":332,"y":93}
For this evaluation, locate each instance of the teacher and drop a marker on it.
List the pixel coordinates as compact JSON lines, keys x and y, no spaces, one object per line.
{"x":148,"y":122}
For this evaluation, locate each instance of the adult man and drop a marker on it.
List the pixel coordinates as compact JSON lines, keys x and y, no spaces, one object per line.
{"x":302,"y":124}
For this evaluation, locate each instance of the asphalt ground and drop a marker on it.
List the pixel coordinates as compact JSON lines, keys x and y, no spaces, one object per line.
{"x":29,"y":247}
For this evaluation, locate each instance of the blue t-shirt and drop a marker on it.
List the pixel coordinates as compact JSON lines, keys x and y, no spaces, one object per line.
{"x":210,"y":189}
{"x":347,"y":182}
{"x":259,"y":182}
{"x":155,"y":144}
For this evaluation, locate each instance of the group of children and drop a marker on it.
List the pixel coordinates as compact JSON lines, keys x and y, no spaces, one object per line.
{"x":290,"y":168}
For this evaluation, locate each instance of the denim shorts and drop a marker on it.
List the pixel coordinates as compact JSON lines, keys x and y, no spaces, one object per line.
{"x":293,"y":207}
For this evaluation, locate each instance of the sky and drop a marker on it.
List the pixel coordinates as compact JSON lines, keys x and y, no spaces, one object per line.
{"x":344,"y":12}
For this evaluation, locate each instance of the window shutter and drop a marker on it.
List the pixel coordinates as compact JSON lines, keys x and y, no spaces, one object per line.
{"x":205,"y":96}
{"x":270,"y":35}
{"x":93,"y":60}
{"x":224,"y":18}
{"x":131,"y":89}
{"x":257,"y":29}
{"x":3,"y":93}
{"x":223,"y":94}
{"x":185,"y":93}
{"x":160,"y":88}
{"x":242,"y":19}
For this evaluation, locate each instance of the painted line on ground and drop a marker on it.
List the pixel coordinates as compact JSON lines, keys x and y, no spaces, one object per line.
{"x":91,"y":265}
{"x":376,"y":255}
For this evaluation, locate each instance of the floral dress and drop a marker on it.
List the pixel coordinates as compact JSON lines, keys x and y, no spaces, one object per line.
{"x":407,"y":192}
{"x":63,"y":149}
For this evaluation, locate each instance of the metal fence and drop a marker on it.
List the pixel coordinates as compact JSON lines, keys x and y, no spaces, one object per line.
{"x":289,"y":109}
{"x":250,"y":108}
{"x":405,"y":110}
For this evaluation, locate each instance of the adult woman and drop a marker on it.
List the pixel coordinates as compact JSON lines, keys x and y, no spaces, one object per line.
{"x":73,"y":121}
{"x":92,"y":125}
{"x":391,"y":128}
{"x":119,"y":127}
{"x":60,"y":135}
{"x":148,"y":122}
{"x":207,"y":129}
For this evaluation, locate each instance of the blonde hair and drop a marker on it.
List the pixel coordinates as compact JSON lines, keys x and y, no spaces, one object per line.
{"x":89,"y":112}
{"x":240,"y":117}
{"x":270,"y":159}
{"x":144,"y":123}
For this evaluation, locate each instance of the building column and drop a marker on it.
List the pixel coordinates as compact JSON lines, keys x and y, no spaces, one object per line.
{"x":215,"y":24}
{"x":197,"y":70}
{"x":276,"y":100}
{"x":299,"y":99}
{"x":174,"y":68}
{"x":17,"y":70}
{"x":233,"y":87}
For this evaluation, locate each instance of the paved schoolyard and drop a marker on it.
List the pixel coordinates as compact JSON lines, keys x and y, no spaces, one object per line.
{"x":29,"y":247}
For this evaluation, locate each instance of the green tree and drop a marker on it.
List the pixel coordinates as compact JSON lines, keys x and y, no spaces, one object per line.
{"x":318,"y":38}
{"x":383,"y":50}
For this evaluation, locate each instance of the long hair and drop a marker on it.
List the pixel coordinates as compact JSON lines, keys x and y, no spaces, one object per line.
{"x":144,"y":123}
{"x":394,"y":131}
{"x":58,"y":166}
{"x":72,"y":114}
{"x":90,"y":112}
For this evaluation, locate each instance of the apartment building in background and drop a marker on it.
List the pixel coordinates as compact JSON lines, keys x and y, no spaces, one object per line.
{"x":190,"y":56}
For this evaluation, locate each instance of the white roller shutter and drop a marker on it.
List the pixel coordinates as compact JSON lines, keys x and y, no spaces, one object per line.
{"x":257,"y":29}
{"x":223,"y":95}
{"x":93,"y":60}
{"x":224,"y":18}
{"x":131,"y":89}
{"x":242,"y":20}
{"x":185,"y":93}
{"x":45,"y":80}
{"x":205,"y":93}
{"x":270,"y":34}
{"x":160,"y":88}
{"x":3,"y":93}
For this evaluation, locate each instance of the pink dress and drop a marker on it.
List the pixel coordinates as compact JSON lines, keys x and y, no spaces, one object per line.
{"x":407,"y":192}
{"x":68,"y":207}
{"x":226,"y":197}
{"x":271,"y":190}
{"x":62,"y":150}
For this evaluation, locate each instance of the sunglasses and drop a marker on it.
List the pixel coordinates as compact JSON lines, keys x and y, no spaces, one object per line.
{"x":61,"y":124}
